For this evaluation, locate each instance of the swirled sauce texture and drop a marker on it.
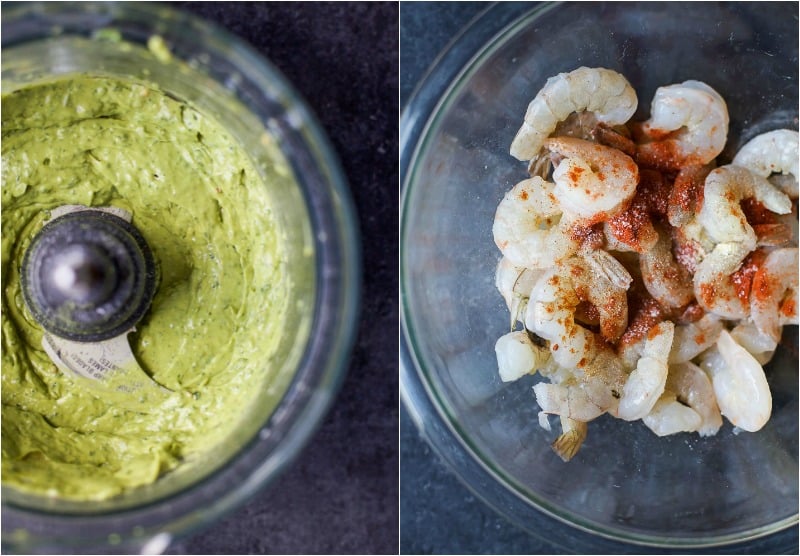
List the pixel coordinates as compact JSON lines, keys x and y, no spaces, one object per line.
{"x":217,"y":315}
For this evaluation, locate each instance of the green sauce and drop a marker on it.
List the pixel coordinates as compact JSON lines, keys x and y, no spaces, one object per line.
{"x":217,"y":315}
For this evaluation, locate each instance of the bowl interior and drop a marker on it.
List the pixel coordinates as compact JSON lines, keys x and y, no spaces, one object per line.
{"x":625,"y":482}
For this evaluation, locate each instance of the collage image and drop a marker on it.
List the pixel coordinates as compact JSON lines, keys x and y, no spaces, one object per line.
{"x":399,"y":278}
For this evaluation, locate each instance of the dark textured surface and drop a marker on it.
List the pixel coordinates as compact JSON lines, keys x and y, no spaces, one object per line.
{"x":340,"y":496}
{"x":438,"y":514}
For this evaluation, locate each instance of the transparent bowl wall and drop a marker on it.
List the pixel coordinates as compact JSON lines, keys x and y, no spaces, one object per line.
{"x":625,"y":483}
{"x":229,"y":82}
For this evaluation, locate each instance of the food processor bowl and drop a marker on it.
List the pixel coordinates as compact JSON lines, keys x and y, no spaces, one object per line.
{"x":229,"y":82}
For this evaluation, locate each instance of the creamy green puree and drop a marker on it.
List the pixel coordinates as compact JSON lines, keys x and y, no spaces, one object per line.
{"x":217,"y":314}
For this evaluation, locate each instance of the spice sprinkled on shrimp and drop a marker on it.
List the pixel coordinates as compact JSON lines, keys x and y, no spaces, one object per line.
{"x":650,"y":283}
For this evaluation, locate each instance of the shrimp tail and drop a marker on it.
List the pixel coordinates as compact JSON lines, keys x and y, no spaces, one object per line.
{"x":571,"y":439}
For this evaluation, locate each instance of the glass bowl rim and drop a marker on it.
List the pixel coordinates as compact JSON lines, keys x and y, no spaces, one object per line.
{"x":431,"y":96}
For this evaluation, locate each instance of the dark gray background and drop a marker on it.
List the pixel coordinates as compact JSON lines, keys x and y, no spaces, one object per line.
{"x":438,"y":514}
{"x":340,"y":496}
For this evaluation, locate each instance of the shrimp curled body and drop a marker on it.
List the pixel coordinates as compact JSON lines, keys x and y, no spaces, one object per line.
{"x":694,"y":119}
{"x":774,"y":152}
{"x":723,"y":221}
{"x":773,"y":302}
{"x":551,"y":310}
{"x":526,"y":226}
{"x":593,"y":182}
{"x":604,"y":92}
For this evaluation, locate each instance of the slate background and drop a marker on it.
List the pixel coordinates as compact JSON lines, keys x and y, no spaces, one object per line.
{"x":340,"y":496}
{"x":438,"y":514}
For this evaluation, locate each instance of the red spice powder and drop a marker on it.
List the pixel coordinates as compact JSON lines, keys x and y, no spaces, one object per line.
{"x":646,"y":314}
{"x":654,"y":189}
{"x":588,"y":236}
{"x":742,"y":279}
{"x":633,"y":226}
{"x":684,"y":252}
{"x":665,"y":156}
{"x":688,"y":188}
{"x":763,"y":285}
{"x":692,"y":313}
{"x":700,"y":338}
{"x":756,"y":213}
{"x":788,"y":308}
{"x":708,"y":294}
{"x":575,"y":173}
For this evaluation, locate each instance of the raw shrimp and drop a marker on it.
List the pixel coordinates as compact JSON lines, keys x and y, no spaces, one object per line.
{"x":739,"y":383}
{"x":550,"y":314}
{"x":669,"y":416}
{"x":646,"y":382}
{"x":566,"y":400}
{"x":526,"y":226}
{"x":551,"y":309}
{"x":517,"y":355}
{"x":761,"y":346}
{"x":693,"y":388}
{"x":593,"y":182}
{"x":724,"y":223}
{"x":585,"y":393}
{"x":691,"y":339}
{"x":688,"y":125}
{"x":773,"y":301}
{"x":687,"y":193}
{"x":665,"y":280}
{"x":602,"y":91}
{"x":514,"y":284}
{"x":633,"y":229}
{"x":774,"y":152}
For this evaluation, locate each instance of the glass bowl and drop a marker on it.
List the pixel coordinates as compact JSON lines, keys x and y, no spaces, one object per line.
{"x":227,"y":80}
{"x":625,"y":485}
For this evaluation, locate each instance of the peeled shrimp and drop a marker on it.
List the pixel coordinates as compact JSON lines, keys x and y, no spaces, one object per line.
{"x":567,"y":400}
{"x":526,"y":226}
{"x":664,"y":278}
{"x":773,"y":301}
{"x":693,"y":338}
{"x":739,"y":383}
{"x":517,"y":355}
{"x":593,"y":182}
{"x":669,"y":416}
{"x":774,"y":152}
{"x":693,"y":388}
{"x":723,"y":221}
{"x":551,"y":310}
{"x":514,"y":284}
{"x":697,"y":115}
{"x":646,"y":382}
{"x":604,"y":92}
{"x":582,"y":394}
